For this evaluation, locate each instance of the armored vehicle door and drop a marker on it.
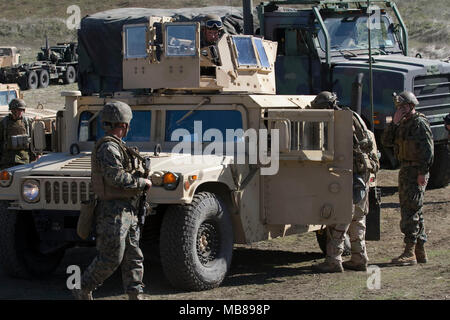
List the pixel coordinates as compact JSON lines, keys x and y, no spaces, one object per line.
{"x":314,"y":181}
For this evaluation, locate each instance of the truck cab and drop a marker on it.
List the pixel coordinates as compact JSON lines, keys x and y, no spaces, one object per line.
{"x":325,"y":46}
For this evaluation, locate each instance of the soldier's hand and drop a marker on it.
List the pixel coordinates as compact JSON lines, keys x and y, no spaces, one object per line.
{"x":148,"y":184}
{"x":422,"y":180}
{"x":400,"y":114}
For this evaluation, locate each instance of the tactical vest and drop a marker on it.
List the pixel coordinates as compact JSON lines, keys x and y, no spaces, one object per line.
{"x":365,"y":159}
{"x":103,"y":190}
{"x":16,"y":134}
{"x":406,"y":143}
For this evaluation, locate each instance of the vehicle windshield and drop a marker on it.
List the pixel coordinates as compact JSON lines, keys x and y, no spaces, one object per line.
{"x":5,"y":52}
{"x":90,"y":129}
{"x":200,"y":122}
{"x":351,"y":33}
{"x":6,"y":97}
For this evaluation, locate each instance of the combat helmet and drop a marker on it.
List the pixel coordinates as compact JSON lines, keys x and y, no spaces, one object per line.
{"x":325,"y":100}
{"x":17,"y":104}
{"x":213,"y":21}
{"x":405,"y":97}
{"x":116,"y":112}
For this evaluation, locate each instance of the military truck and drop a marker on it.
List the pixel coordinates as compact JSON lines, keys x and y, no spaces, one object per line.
{"x":53,"y":63}
{"x":323,"y":45}
{"x":205,"y":122}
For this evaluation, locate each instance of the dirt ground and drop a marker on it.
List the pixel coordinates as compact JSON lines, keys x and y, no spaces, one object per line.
{"x":279,"y":269}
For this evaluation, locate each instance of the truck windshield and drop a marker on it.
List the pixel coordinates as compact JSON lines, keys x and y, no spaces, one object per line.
{"x":351,"y":33}
{"x":91,"y":129}
{"x":201,"y":121}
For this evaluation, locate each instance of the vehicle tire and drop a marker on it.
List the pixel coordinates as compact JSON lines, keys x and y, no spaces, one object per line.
{"x":70,"y":75}
{"x":32,"y":80}
{"x":439,"y":171}
{"x":321,"y":236}
{"x":19,"y":246}
{"x":44,"y":79}
{"x":197,"y":243}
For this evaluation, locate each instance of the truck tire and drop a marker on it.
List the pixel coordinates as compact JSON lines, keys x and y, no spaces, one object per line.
{"x":439,"y":171}
{"x":70,"y":75}
{"x":32,"y":80}
{"x":19,"y":246}
{"x":196,"y":243}
{"x":44,"y":79}
{"x":321,"y":236}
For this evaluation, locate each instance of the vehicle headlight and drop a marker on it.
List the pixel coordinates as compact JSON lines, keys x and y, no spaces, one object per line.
{"x":171,"y":180}
{"x":5,"y":178}
{"x":30,"y":191}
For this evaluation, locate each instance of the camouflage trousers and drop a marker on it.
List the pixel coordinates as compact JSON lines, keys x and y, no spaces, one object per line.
{"x":117,"y":245}
{"x":356,"y":231}
{"x":411,"y":201}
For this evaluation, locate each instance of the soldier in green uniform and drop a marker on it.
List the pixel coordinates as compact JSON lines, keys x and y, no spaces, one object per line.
{"x":410,"y":135}
{"x":15,"y":131}
{"x":117,"y":185}
{"x":365,"y":162}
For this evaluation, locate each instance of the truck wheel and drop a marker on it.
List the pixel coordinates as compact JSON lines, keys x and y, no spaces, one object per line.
{"x":32,"y":80}
{"x":196,"y":243}
{"x":44,"y":79}
{"x":19,"y":246}
{"x":321,"y":236}
{"x":439,"y":171}
{"x":70,"y":75}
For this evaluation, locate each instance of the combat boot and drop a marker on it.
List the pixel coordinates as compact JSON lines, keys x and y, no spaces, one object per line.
{"x":407,"y":258}
{"x":351,"y":265}
{"x":80,"y":294}
{"x":421,"y":255}
{"x":328,"y":267}
{"x":134,"y":296}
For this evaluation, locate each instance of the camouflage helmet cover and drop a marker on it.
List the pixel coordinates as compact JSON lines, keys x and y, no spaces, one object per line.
{"x":116,"y":112}
{"x":405,"y":97}
{"x":17,"y":104}
{"x":324,"y":100}
{"x":213,"y":21}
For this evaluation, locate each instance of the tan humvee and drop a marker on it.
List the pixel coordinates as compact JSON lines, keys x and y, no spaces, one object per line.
{"x":206,"y":195}
{"x":9,"y":57}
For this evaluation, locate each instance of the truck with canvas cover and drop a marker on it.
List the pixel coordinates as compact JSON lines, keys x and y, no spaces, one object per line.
{"x":230,"y":161}
{"x":324,"y":45}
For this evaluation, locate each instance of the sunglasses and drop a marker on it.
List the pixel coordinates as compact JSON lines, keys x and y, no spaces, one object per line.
{"x":210,"y":24}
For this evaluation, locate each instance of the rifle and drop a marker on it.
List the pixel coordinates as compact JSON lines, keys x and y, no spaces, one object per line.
{"x":144,"y":208}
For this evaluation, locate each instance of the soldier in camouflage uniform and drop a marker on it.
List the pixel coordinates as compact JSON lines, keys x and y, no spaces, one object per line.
{"x":117,"y":186}
{"x":11,"y":127}
{"x":410,"y":135}
{"x":365,"y":162}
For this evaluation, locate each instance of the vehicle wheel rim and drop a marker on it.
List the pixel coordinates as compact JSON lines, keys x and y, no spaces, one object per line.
{"x":208,"y":242}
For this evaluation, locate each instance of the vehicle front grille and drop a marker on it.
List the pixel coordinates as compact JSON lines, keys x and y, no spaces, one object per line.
{"x":65,"y":193}
{"x":433,"y":93}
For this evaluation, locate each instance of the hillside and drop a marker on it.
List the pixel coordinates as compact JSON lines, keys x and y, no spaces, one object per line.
{"x":26,"y":23}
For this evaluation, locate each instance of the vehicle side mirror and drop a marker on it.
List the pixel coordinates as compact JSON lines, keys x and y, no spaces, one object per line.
{"x":38,"y":142}
{"x":285,"y":135}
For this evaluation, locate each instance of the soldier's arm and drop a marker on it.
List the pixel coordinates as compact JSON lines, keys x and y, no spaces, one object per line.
{"x":373,"y":155}
{"x":424,"y":145}
{"x":113,"y":171}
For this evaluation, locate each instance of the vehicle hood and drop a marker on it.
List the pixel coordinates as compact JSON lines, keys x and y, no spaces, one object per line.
{"x":398,"y":63}
{"x":64,"y":164}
